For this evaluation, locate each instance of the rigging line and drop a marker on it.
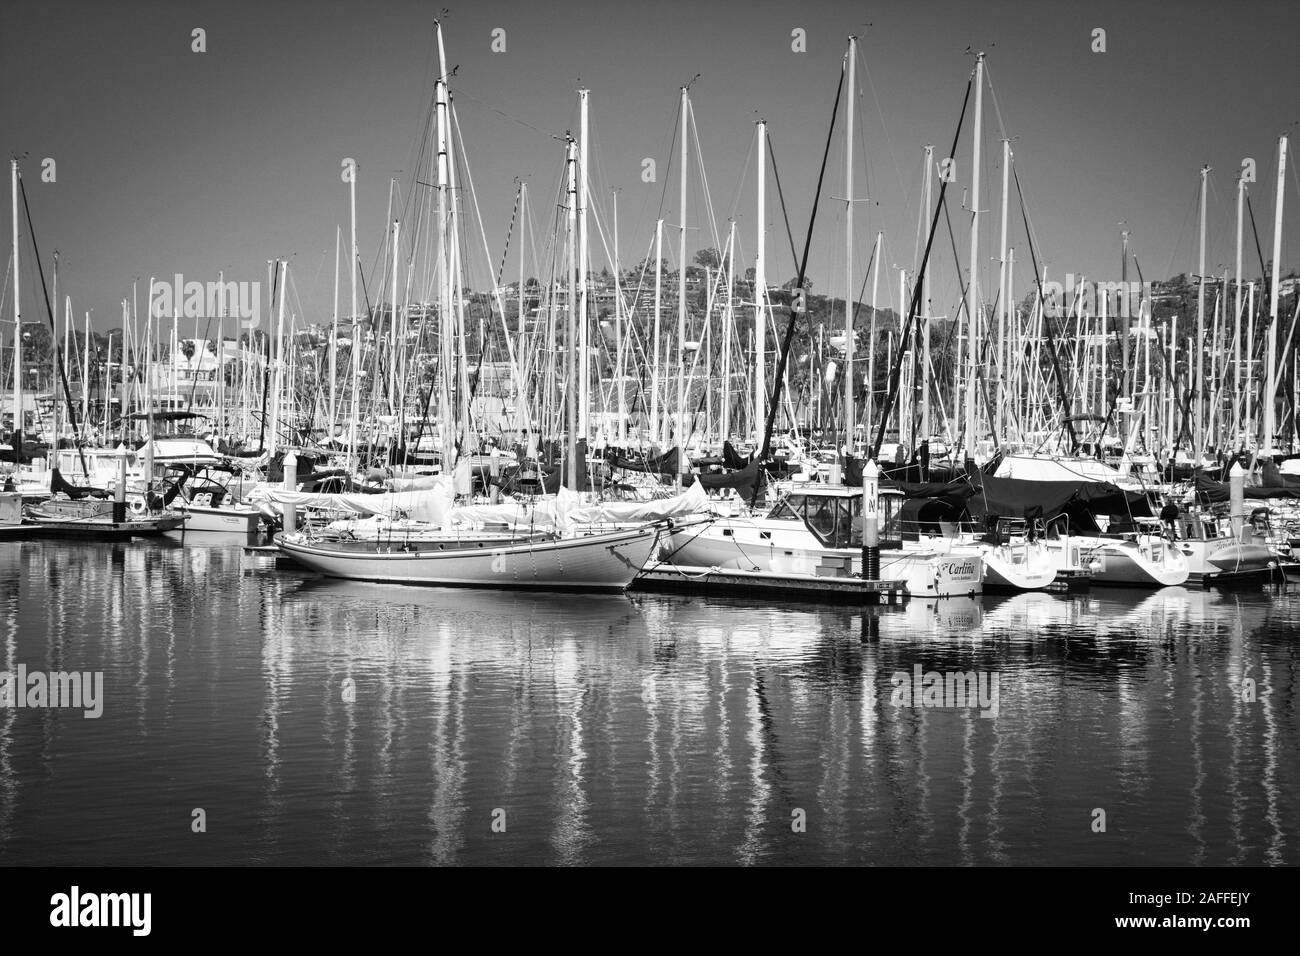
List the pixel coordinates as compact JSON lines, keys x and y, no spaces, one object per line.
{"x":704,"y":179}
{"x":1259,"y":250}
{"x":784,"y":359}
{"x":1294,"y":175}
{"x":1047,"y":321}
{"x":771,"y":153}
{"x":714,"y":360}
{"x":510,"y":230}
{"x":500,"y":112}
{"x":663,"y":195}
{"x":894,"y":377}
{"x":1182,"y":230}
{"x":952,"y":327}
{"x":920,"y":223}
{"x":58,"y":345}
{"x":997,"y":107}
{"x":740,"y":182}
{"x":884,"y":128}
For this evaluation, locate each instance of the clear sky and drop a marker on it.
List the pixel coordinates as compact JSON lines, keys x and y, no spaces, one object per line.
{"x":171,"y":161}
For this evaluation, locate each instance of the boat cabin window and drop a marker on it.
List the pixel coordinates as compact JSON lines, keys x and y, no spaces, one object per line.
{"x":836,"y":521}
{"x":891,"y":521}
{"x":785,"y":509}
{"x":1194,"y":528}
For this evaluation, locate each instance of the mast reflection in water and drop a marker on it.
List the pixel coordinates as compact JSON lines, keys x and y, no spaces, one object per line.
{"x":333,"y":722}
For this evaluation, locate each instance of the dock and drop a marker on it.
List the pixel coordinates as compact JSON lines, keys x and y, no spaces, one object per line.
{"x":1274,"y":573}
{"x":280,"y":560}
{"x":1070,"y":580}
{"x":679,"y":579}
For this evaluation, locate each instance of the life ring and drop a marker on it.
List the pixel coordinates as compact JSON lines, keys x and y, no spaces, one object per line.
{"x":137,"y":506}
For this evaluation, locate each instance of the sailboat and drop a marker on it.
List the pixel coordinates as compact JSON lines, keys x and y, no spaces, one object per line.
{"x":502,"y":550}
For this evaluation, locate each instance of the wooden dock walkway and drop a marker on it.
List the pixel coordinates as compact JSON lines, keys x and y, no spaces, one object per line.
{"x":841,"y":590}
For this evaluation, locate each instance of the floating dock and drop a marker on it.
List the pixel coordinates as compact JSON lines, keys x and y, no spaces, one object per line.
{"x":1274,"y":573}
{"x":1070,"y":579}
{"x":100,"y":528}
{"x":679,"y":579}
{"x":281,"y":560}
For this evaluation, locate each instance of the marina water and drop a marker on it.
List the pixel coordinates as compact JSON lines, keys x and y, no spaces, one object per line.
{"x":259,"y":715}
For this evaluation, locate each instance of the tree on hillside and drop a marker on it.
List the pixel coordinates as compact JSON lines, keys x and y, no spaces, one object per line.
{"x":709,"y":258}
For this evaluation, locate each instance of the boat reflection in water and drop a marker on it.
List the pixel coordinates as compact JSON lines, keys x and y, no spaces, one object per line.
{"x":330,"y":721}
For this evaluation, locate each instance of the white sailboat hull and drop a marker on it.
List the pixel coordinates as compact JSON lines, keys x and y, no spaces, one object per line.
{"x":596,"y":562}
{"x":1020,"y":566}
{"x":1150,"y":562}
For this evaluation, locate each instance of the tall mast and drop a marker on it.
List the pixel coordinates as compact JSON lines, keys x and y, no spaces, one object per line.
{"x":1270,"y":390}
{"x":760,"y":291}
{"x":85,"y":373}
{"x":871,"y":333}
{"x":619,"y":367}
{"x":1013,"y":324}
{"x":67,"y":347}
{"x":570,"y":390}
{"x":334,"y":339}
{"x":468,"y":441}
{"x":725,"y":422}
{"x":353,"y":265}
{"x":18,"y":327}
{"x":849,"y":417}
{"x":521,"y":400}
{"x":54,"y":349}
{"x":679,"y":429}
{"x":1248,"y":413}
{"x":656,"y":431}
{"x":445,"y":322}
{"x":1237,"y":419}
{"x":584,"y":330}
{"x":1123,"y":321}
{"x":279,"y":361}
{"x":523,"y":198}
{"x":904,"y":405}
{"x":1197,"y":353}
{"x":356,"y":327}
{"x":1170,"y":437}
{"x":925,"y":303}
{"x":394,"y":400}
{"x":1003,"y":306}
{"x":972,"y":288}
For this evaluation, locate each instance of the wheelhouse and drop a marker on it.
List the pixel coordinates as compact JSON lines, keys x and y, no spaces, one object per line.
{"x":833,"y":513}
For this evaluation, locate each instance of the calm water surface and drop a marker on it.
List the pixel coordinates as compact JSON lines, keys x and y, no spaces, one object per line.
{"x":630,"y":729}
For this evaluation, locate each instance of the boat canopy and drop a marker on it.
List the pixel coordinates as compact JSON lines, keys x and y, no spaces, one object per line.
{"x":1081,"y":501}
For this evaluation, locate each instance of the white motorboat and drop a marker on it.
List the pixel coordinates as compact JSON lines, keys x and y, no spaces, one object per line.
{"x":1214,"y":556}
{"x":816,"y":529}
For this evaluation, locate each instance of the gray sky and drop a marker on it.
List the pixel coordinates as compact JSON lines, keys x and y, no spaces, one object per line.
{"x":173,"y":161}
